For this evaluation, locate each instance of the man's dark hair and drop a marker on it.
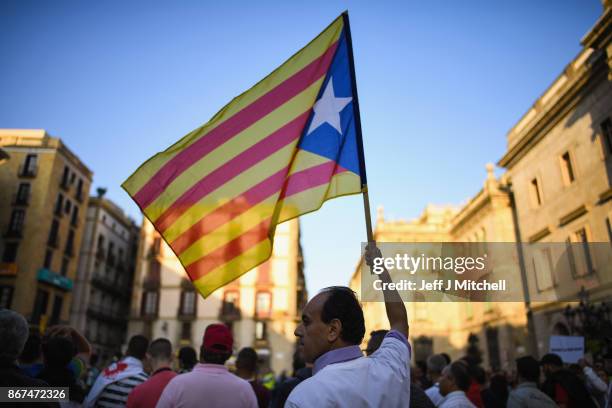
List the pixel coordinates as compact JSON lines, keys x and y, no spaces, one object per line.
{"x":247,"y":359}
{"x":161,"y":349}
{"x":446,"y":357}
{"x":187,"y":357}
{"x":137,"y":347}
{"x":32,"y":349}
{"x":376,"y":339}
{"x":552,"y":359}
{"x":214,"y":357}
{"x":58,"y":352}
{"x":436,"y":363}
{"x":528,"y":368}
{"x":459,"y":372}
{"x":342,"y":304}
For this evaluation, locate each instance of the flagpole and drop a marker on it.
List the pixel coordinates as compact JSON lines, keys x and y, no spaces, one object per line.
{"x":362,"y":168}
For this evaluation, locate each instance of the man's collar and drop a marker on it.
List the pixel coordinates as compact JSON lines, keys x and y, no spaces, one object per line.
{"x":338,"y":355}
{"x":453,"y":394}
{"x":162,"y":369}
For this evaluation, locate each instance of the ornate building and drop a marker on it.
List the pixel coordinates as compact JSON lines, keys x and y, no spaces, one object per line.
{"x":437,"y":327}
{"x":44,"y":194}
{"x":559,"y":163}
{"x":103,"y":283}
{"x":262,"y":307}
{"x":557,"y":189}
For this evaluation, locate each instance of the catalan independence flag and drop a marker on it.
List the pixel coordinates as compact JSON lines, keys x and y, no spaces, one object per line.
{"x":277,"y":151}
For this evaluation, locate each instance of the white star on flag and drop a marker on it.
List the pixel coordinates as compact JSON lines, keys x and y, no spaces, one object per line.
{"x":328,"y":108}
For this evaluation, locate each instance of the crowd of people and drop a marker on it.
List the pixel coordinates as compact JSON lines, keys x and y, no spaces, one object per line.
{"x":330,"y":369}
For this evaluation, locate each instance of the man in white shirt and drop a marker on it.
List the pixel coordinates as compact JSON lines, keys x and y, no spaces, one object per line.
{"x":329,"y":336}
{"x":435,"y":365}
{"x":455,"y":381}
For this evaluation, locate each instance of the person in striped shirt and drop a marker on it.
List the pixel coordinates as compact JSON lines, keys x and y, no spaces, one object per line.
{"x":114,"y":384}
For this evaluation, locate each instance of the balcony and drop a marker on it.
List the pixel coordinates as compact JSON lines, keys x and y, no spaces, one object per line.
{"x":110,"y":285}
{"x":104,"y":313}
{"x":53,"y":241}
{"x":111,"y":260}
{"x":229,"y":312}
{"x":21,"y":199}
{"x":29,"y":171}
{"x":14,"y":232}
{"x":65,"y":184}
{"x":8,"y":269}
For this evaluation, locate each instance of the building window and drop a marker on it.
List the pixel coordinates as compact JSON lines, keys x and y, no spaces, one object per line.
{"x":54,"y":233}
{"x":75,"y":216}
{"x":29,"y":165}
{"x":79,"y":190}
{"x":100,"y":248}
{"x":10,"y":252}
{"x":188,"y":303}
{"x":579,"y":254}
{"x":6,"y":296}
{"x":263,"y":304}
{"x":48,"y":259}
{"x":149,"y":303}
{"x":567,"y":168}
{"x":231,"y":303}
{"x":261,"y":330}
{"x":16,"y":224}
{"x":59,"y":204}
{"x":536,"y":196}
{"x":543,"y":267}
{"x":68,"y":206}
{"x":65,"y":265}
{"x":23,"y":194}
{"x":69,"y":250}
{"x":606,"y":133}
{"x":110,"y":258}
{"x":65,"y":177}
{"x":186,"y":331}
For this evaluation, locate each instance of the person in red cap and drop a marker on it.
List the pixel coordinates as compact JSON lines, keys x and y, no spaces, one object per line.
{"x":210,"y":383}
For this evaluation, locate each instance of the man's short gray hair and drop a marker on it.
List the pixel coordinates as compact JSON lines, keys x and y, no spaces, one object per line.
{"x":436,"y":363}
{"x":13,"y":334}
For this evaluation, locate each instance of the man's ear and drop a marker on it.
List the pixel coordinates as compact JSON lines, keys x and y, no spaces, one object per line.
{"x":334,"y":330}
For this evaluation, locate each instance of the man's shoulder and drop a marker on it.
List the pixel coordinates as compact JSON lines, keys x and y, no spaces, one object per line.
{"x":309,"y":389}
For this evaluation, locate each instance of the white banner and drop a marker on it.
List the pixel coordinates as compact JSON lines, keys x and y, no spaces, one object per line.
{"x":569,"y":348}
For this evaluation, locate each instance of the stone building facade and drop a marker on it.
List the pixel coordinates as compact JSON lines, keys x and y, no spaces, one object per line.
{"x":559,"y":163}
{"x":437,"y":327}
{"x":103,"y":283}
{"x":43,"y":201}
{"x":262,"y":308}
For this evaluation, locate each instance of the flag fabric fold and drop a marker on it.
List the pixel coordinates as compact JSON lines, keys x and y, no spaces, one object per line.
{"x":277,"y":151}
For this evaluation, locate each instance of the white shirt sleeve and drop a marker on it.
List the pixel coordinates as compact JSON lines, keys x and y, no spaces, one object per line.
{"x":594,"y":380}
{"x":395,"y":354}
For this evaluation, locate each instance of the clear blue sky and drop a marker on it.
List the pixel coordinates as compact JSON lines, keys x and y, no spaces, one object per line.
{"x":440,"y":83}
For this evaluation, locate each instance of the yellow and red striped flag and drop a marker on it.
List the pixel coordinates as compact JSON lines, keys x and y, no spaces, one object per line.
{"x":275,"y":152}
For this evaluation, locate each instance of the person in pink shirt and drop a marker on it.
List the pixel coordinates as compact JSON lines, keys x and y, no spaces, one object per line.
{"x":147,"y":394}
{"x":210,"y":383}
